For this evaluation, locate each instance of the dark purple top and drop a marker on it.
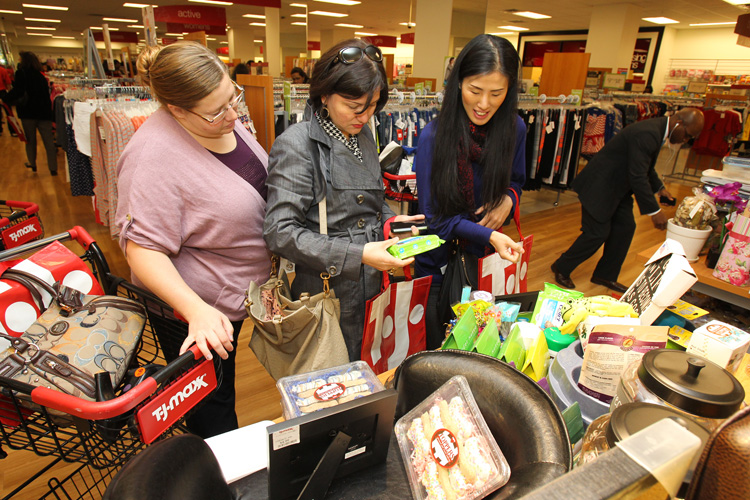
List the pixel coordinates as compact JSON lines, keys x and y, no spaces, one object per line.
{"x":243,"y":162}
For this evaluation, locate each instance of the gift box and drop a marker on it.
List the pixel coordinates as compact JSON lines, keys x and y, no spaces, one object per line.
{"x":733,"y":265}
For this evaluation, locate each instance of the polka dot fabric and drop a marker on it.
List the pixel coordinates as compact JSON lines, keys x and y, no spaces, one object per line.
{"x":53,"y":263}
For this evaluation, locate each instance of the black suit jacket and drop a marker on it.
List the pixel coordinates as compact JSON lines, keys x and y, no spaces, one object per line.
{"x":624,"y":166}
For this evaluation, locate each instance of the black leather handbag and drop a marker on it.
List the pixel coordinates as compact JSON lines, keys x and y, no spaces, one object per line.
{"x":462,"y":270}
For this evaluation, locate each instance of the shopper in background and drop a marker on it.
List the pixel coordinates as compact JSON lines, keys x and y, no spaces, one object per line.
{"x":470,"y":163}
{"x":624,"y":167}
{"x":5,"y":85}
{"x":191,"y":186}
{"x":240,"y":69}
{"x":333,"y":156}
{"x":299,"y":76}
{"x":30,"y":95}
{"x":448,"y":69}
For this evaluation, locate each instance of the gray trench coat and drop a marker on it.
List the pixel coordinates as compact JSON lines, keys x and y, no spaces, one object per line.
{"x":305,"y":165}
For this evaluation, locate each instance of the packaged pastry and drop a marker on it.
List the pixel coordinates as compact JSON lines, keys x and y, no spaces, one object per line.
{"x":448,"y":450}
{"x":308,"y":392}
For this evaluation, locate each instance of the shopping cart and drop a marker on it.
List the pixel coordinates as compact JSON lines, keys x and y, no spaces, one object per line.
{"x":19,"y":223}
{"x":104,"y":435}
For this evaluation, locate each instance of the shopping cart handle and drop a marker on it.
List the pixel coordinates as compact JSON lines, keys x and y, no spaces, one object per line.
{"x":187,"y":358}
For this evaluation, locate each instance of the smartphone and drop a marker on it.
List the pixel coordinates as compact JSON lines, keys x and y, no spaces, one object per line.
{"x":666,"y":201}
{"x":404,"y":228}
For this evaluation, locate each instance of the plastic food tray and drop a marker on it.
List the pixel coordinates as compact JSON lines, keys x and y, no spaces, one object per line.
{"x":446,"y":445}
{"x":308,"y":392}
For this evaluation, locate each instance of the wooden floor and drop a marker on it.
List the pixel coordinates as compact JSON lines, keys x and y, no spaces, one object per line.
{"x":257,"y":398}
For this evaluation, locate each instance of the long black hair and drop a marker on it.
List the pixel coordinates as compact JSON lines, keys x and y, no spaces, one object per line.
{"x":482,"y":55}
{"x":352,"y":81}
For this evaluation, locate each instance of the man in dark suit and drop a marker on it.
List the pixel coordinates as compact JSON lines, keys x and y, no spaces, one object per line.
{"x":624,"y":167}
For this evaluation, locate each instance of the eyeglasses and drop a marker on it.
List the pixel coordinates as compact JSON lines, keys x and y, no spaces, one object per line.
{"x":233,"y":104}
{"x":350,"y":55}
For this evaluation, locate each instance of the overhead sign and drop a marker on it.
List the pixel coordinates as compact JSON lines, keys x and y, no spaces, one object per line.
{"x":743,"y":25}
{"x":382,"y":41}
{"x":191,"y":28}
{"x":312,"y":45}
{"x":407,"y":37}
{"x":223,"y":51}
{"x":118,"y":36}
{"x":188,"y":14}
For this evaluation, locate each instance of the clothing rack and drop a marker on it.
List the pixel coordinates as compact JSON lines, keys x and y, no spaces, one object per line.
{"x":543,"y":98}
{"x":110,"y":91}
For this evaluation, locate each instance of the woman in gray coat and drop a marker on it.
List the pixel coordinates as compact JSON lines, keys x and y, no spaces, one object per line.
{"x":333,"y":156}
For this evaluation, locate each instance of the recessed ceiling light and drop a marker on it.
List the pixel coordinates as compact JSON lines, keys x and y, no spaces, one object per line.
{"x":212,"y":2}
{"x":119,"y":20}
{"x":299,"y":15}
{"x":715,"y":24}
{"x":138,"y":5}
{"x":531,"y":15}
{"x":99,"y":28}
{"x":64,"y":37}
{"x":303,"y":5}
{"x":340,"y":2}
{"x":174,"y":34}
{"x":10,"y":12}
{"x":660,"y":20}
{"x":328,"y":14}
{"x":48,"y":7}
{"x":254,"y":16}
{"x":408,"y":24}
{"x":344,"y":25}
{"x":299,"y":23}
{"x":224,"y":43}
{"x":37,"y":19}
{"x":43,"y":28}
{"x":258,"y":41}
{"x":134,"y":26}
{"x":209,"y":38}
{"x":257,"y":24}
{"x":362,"y":33}
{"x":39,"y":34}
{"x":502,"y":33}
{"x":513,"y":28}
{"x":737,"y":2}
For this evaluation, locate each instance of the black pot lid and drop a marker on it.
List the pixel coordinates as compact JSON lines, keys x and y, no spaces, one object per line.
{"x":630,"y":418}
{"x":691,"y":383}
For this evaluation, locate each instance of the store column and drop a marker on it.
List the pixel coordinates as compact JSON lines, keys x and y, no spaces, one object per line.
{"x":432,"y":37}
{"x":613,"y":30}
{"x":329,"y":38}
{"x":241,"y":45}
{"x":273,"y":41}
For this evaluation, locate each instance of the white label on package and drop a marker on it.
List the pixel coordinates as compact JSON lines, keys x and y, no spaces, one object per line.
{"x":286,"y":437}
{"x":356,"y":452}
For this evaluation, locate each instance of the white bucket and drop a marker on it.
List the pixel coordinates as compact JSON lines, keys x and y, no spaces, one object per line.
{"x":692,"y":240}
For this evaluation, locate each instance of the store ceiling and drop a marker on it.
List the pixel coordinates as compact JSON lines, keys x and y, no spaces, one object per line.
{"x":376,"y":16}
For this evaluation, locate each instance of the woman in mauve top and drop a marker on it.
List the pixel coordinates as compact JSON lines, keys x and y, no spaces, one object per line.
{"x":191,"y":187}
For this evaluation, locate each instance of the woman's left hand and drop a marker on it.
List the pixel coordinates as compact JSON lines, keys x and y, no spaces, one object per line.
{"x":506,"y":247}
{"x":495,"y":218}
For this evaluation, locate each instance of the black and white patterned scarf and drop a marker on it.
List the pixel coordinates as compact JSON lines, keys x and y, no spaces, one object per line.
{"x":333,"y":132}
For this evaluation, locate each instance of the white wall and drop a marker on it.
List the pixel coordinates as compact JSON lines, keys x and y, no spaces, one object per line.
{"x":707,"y":43}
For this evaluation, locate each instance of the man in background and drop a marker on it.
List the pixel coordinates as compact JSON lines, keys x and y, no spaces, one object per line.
{"x":624,"y":167}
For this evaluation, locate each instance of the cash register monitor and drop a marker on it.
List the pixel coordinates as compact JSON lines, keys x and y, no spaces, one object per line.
{"x":306,"y":453}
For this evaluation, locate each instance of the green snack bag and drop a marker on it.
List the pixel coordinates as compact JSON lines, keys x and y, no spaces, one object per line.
{"x":488,"y":341}
{"x":464,"y":332}
{"x":415,"y":245}
{"x":552,"y":302}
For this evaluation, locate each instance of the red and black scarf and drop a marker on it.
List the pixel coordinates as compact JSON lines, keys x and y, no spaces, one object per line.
{"x":466,"y":158}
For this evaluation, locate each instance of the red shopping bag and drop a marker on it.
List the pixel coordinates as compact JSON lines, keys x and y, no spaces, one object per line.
{"x":55,"y":262}
{"x":503,"y":277}
{"x":395,"y":322}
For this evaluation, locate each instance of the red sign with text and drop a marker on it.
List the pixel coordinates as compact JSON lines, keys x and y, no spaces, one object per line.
{"x":313,"y":45}
{"x":223,"y":51}
{"x":192,"y":28}
{"x":188,"y":14}
{"x":22,"y":232}
{"x":407,"y":37}
{"x":118,"y":36}
{"x":382,"y":41}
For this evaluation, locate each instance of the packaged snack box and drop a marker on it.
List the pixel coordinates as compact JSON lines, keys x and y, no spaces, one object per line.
{"x":721,"y":343}
{"x":447,"y":448}
{"x":307,"y":392}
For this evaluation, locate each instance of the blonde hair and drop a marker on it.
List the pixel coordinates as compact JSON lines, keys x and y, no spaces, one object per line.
{"x":180,"y":74}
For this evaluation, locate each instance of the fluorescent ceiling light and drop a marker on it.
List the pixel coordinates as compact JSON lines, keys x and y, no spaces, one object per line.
{"x":340,"y":2}
{"x":254,"y":16}
{"x":48,"y":7}
{"x":209,"y":38}
{"x":344,"y":25}
{"x":134,"y":26}
{"x":715,"y":24}
{"x":362,"y":33}
{"x":660,"y":20}
{"x":299,"y":15}
{"x":138,"y":5}
{"x":119,"y":20}
{"x":257,"y":24}
{"x":40,"y":28}
{"x":299,"y":23}
{"x":258,"y":41}
{"x":39,"y":34}
{"x":531,"y":15}
{"x":328,"y":14}
{"x":503,"y":33}
{"x":513,"y":28}
{"x":64,"y":37}
{"x":174,"y":34}
{"x":10,"y":12}
{"x":212,"y":2}
{"x":408,"y":24}
{"x":42,"y":20}
{"x":736,"y":2}
{"x":102,"y":29}
{"x":224,"y":43}
{"x":303,"y":5}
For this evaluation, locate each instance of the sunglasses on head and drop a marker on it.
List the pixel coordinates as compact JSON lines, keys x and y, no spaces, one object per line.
{"x":350,"y":55}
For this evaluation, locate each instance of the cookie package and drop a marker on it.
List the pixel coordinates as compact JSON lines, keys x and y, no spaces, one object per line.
{"x":448,"y":450}
{"x":308,"y":392}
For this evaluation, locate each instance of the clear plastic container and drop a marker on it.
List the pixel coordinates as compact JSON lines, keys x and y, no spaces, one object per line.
{"x":447,"y":448}
{"x":308,"y":392}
